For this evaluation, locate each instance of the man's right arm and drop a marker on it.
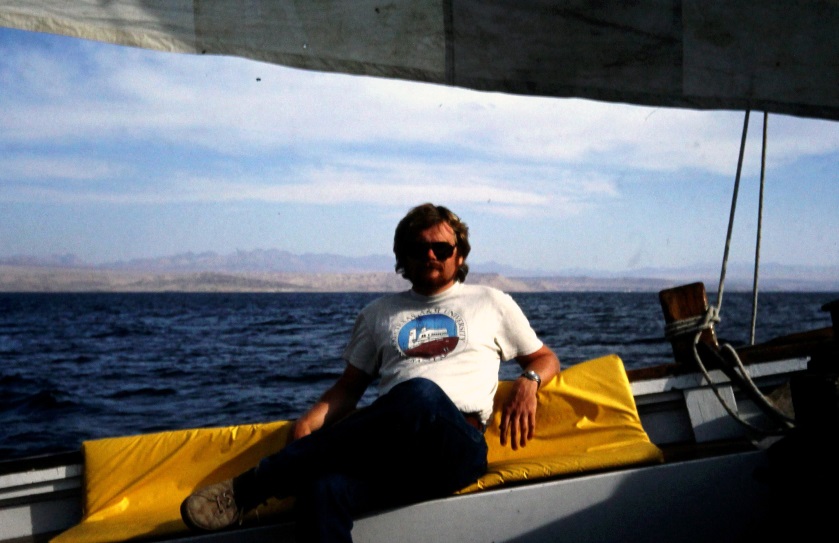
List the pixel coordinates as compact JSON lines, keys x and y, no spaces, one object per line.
{"x":337,"y":402}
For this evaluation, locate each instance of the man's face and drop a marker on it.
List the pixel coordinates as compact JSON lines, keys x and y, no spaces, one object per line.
{"x":429,"y":272}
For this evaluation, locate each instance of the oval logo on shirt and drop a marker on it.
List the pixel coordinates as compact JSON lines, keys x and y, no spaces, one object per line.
{"x":430,"y":335}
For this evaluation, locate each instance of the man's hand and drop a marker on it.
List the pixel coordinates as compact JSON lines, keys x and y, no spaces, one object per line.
{"x":300,"y":429}
{"x":518,"y":415}
{"x":336,"y":403}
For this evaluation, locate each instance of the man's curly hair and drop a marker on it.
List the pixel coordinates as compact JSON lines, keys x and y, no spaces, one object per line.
{"x":421,"y":218}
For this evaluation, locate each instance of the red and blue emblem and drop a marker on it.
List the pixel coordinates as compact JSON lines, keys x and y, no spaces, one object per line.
{"x":429,"y":336}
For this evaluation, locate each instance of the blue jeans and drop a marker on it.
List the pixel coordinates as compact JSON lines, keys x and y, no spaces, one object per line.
{"x":409,"y":445}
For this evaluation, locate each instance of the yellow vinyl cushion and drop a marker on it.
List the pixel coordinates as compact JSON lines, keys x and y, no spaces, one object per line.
{"x":133,"y":486}
{"x":586,"y":420}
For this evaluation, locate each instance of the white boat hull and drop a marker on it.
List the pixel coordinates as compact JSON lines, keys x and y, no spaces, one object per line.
{"x":713,"y":499}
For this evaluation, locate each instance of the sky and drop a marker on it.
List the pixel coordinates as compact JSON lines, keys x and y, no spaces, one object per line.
{"x":113,"y":153}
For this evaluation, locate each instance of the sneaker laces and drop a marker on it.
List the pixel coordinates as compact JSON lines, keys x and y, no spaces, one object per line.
{"x":226,"y":500}
{"x":223,"y":501}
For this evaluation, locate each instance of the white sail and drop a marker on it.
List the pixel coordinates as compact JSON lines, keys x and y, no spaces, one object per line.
{"x":780,"y":56}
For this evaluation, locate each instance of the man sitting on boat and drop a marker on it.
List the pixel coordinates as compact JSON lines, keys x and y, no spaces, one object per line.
{"x":436,"y":350}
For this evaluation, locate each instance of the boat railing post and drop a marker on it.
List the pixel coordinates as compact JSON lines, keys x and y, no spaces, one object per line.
{"x":681,"y":303}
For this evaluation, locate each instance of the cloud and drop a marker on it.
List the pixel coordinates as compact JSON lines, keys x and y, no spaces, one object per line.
{"x":513,"y":189}
{"x":398,"y":185}
{"x":68,"y":167}
{"x":218,"y":129}
{"x":243,"y":108}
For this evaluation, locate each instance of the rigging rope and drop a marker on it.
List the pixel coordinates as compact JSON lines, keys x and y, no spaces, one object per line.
{"x":721,"y":288}
{"x":697,"y":325}
{"x":759,"y":229}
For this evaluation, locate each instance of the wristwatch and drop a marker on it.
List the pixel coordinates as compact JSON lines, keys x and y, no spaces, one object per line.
{"x":532,"y":376}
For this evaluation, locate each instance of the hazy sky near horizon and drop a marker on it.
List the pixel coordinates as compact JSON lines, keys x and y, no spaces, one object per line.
{"x":112,"y":153}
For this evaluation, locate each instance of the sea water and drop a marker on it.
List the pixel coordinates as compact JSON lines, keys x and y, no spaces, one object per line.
{"x":75,"y":367}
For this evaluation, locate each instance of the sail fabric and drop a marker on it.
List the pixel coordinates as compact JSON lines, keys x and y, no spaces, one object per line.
{"x":133,"y":486}
{"x":778,"y":56}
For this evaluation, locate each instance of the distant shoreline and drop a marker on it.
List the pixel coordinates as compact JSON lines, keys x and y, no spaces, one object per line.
{"x":36,"y":279}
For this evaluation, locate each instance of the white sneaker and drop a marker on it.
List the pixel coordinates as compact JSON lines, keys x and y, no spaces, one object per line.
{"x":212,"y":508}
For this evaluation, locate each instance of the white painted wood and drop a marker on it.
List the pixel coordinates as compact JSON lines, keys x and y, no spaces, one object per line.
{"x":709,"y":419}
{"x":36,"y":476}
{"x":706,"y":500}
{"x":39,"y":501}
{"x":45,"y":481}
{"x":716,"y":499}
{"x":779,"y":369}
{"x":29,"y":519}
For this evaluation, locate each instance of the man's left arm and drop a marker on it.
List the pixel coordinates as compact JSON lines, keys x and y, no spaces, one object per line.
{"x":518,"y":415}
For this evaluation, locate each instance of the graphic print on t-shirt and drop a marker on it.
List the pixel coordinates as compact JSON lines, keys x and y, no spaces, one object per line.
{"x":431,"y":335}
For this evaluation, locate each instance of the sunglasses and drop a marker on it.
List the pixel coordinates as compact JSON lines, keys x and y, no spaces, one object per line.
{"x":419,"y":250}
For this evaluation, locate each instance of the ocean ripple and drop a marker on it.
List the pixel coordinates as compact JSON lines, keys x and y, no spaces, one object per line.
{"x":84,"y":366}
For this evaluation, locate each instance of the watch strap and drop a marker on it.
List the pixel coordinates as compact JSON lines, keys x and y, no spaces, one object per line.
{"x":532,"y":376}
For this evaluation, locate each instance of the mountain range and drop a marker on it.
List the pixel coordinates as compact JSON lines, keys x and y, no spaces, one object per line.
{"x":276,"y":270}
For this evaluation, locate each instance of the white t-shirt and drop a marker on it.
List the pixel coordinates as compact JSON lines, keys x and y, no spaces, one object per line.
{"x":457,"y":339}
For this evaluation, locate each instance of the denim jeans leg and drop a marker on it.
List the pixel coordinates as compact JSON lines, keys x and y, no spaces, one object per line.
{"x":410,"y":444}
{"x":325,"y":508}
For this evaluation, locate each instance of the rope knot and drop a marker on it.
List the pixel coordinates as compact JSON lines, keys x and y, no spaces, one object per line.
{"x":693,"y":325}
